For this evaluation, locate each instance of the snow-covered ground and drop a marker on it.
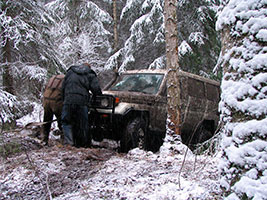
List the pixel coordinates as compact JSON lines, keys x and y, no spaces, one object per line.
{"x":101,"y":173}
{"x":144,"y":175}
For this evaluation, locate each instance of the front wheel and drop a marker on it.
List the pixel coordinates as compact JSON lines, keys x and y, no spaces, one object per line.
{"x":133,"y":135}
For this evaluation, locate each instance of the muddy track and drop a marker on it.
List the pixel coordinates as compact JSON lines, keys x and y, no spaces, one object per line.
{"x":49,"y":171}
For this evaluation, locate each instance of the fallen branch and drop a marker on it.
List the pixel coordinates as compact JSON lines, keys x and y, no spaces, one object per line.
{"x":30,"y":126}
{"x":37,"y":172}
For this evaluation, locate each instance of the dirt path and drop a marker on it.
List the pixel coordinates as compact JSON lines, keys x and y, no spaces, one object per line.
{"x":47,"y":172}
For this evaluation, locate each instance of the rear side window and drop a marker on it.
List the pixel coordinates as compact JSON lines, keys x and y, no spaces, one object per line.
{"x":212,"y":92}
{"x":196,"y":88}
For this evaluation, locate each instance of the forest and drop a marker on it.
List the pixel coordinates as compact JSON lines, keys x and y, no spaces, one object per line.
{"x":223,"y":40}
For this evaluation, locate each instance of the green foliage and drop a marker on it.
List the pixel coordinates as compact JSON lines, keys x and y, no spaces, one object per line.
{"x":9,"y":149}
{"x":7,"y":126}
{"x":217,"y":77}
{"x":198,"y":17}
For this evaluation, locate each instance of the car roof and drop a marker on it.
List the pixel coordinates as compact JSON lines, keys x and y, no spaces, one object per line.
{"x":161,"y":71}
{"x":165,"y":71}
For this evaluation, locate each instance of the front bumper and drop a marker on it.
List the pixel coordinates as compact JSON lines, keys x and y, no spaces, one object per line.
{"x":103,"y":121}
{"x":104,"y":125}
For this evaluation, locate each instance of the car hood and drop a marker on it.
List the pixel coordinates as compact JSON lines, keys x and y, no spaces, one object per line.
{"x":132,"y":97}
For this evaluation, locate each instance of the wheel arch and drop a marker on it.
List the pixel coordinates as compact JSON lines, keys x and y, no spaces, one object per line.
{"x":131,"y":114}
{"x":129,"y":141}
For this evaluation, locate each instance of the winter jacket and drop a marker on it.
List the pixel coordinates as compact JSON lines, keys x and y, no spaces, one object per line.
{"x":77,"y":83}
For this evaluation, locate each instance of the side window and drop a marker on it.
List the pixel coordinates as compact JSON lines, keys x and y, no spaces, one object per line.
{"x":196,"y":88}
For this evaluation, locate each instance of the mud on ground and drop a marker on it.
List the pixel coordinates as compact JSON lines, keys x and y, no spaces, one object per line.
{"x":47,"y":171}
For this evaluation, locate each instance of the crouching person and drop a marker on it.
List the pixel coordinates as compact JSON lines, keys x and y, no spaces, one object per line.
{"x":79,"y":80}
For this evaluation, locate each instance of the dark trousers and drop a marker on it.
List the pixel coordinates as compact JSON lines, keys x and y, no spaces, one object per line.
{"x":75,"y":125}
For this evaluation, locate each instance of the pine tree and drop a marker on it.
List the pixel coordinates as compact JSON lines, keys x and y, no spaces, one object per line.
{"x":173,"y":86}
{"x":81,"y":32}
{"x":25,"y":30}
{"x":243,"y":99}
{"x":141,"y":30}
{"x":8,"y":84}
{"x":26,"y":55}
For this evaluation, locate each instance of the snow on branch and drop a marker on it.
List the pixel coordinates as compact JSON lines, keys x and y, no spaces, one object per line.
{"x":11,"y":107}
{"x":184,"y":48}
{"x":243,"y":103}
{"x":147,"y":27}
{"x":16,"y":30}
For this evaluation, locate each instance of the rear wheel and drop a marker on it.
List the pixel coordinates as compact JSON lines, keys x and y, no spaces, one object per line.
{"x":204,"y":132}
{"x":133,"y":135}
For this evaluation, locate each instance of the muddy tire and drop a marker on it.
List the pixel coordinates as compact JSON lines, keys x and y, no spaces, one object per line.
{"x":154,"y":141}
{"x":202,"y":134}
{"x":133,"y":135}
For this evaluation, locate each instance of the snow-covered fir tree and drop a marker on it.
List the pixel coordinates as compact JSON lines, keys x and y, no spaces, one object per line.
{"x":26,"y":54}
{"x":142,"y":29}
{"x":82,"y":32}
{"x":85,"y":33}
{"x":243,"y":103}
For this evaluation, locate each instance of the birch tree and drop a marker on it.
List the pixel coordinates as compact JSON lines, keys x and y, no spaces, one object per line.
{"x":173,"y":86}
{"x":243,"y":103}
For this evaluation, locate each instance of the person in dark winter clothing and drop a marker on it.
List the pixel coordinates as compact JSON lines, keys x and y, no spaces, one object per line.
{"x":79,"y":80}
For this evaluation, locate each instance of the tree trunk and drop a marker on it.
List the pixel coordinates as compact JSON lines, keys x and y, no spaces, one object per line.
{"x":8,"y":81}
{"x":115,"y":26}
{"x":173,"y":85}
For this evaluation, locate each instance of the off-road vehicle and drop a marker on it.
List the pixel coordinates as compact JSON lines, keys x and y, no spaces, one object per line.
{"x":133,"y":109}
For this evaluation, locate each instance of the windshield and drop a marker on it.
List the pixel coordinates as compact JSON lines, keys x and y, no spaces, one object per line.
{"x":145,"y":83}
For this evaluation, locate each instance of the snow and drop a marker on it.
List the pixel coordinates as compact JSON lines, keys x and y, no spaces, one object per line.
{"x":184,"y":48}
{"x":197,"y":38}
{"x":35,"y":72}
{"x":157,"y":64}
{"x":243,"y":9}
{"x":147,"y":27}
{"x":17,"y":30}
{"x":91,"y":43}
{"x":144,"y":175}
{"x":235,"y":91}
{"x":7,"y":103}
{"x":99,"y":15}
{"x":262,"y":35}
{"x":163,"y":175}
{"x":11,"y":107}
{"x":243,"y":100}
{"x":254,"y":188}
{"x":129,"y":4}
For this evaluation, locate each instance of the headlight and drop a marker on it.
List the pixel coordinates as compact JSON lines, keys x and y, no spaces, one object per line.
{"x":104,"y":102}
